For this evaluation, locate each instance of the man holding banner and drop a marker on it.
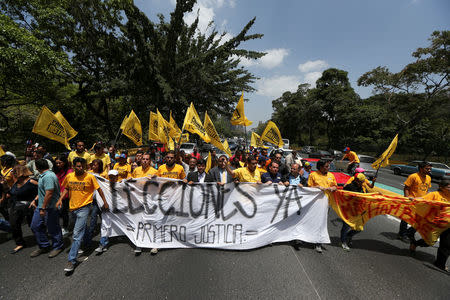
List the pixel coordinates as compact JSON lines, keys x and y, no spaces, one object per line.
{"x":323,"y":180}
{"x":248,"y":173}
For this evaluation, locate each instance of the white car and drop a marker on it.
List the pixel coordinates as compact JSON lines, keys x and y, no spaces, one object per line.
{"x":286,"y":144}
{"x":188,"y":148}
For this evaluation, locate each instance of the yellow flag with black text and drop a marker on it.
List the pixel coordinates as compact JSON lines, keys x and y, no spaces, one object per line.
{"x":239,"y":117}
{"x":48,"y":125}
{"x":174,"y":124}
{"x":193,"y":124}
{"x":124,"y":122}
{"x":164,"y":129}
{"x":256,"y":141}
{"x":272,"y":134}
{"x":132,"y":129}
{"x":208,"y":163}
{"x":226,"y":148}
{"x":153,"y":127}
{"x":383,"y":160}
{"x":71,"y":133}
{"x":212,"y":133}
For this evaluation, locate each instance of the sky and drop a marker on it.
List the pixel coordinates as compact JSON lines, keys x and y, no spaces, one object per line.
{"x":302,"y":38}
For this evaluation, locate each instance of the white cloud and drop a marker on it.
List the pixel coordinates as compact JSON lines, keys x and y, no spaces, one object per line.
{"x":312,"y":65}
{"x":272,"y":59}
{"x":205,"y":16}
{"x":274,"y":87}
{"x":311,"y":78}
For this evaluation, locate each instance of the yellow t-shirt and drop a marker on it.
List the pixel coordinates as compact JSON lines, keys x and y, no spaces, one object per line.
{"x":418,"y":186}
{"x":139,"y":172}
{"x":261,"y":170}
{"x":74,"y":154}
{"x":438,"y":196}
{"x":104,"y":158}
{"x":124,"y":171}
{"x":351,"y":155}
{"x":8,"y":176}
{"x":318,"y":179}
{"x":244,"y":175}
{"x":366,"y":184}
{"x":81,"y":189}
{"x":176,"y":172}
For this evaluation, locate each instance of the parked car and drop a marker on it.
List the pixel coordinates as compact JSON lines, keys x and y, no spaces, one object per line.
{"x":441,"y":171}
{"x":336,"y":153}
{"x":188,"y":148}
{"x":320,"y":154}
{"x":341,"y":178}
{"x":233,"y":145}
{"x":308,"y":149}
{"x":286,"y":144}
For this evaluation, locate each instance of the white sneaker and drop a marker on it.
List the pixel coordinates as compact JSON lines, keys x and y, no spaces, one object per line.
{"x":345,"y":247}
{"x":65,"y":232}
{"x":100,"y":249}
{"x":80,"y":251}
{"x":154,"y":251}
{"x":137,"y":251}
{"x":318,"y":248}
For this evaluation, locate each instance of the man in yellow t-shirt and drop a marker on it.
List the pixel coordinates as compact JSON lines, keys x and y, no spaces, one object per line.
{"x":145,"y":169}
{"x":323,"y":180}
{"x":123,"y":167}
{"x":353,"y":160}
{"x":80,"y":186}
{"x":416,"y":185}
{"x":443,"y":195}
{"x":366,"y":185}
{"x":248,"y":173}
{"x":99,"y":154}
{"x":80,"y":151}
{"x":170,"y":169}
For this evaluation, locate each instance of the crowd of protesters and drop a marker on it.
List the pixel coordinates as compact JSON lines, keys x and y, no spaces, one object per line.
{"x":55,"y":195}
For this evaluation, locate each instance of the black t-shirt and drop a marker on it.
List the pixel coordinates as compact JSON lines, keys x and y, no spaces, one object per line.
{"x":353,"y":187}
{"x":26,"y":192}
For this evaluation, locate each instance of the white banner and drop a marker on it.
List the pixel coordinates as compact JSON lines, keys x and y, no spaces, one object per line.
{"x":166,"y":213}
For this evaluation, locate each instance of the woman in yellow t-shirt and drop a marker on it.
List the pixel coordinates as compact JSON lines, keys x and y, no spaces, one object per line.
{"x":97,"y":168}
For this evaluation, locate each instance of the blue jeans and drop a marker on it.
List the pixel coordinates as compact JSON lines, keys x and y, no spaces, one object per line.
{"x":50,"y":222}
{"x":80,"y":231}
{"x":4,"y":225}
{"x":347,"y":233}
{"x":93,"y":222}
{"x":104,"y":240}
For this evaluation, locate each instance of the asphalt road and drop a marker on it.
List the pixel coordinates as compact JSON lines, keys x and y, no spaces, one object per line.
{"x":378,"y":266}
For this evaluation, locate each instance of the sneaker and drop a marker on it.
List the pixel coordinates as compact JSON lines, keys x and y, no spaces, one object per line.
{"x":318,"y":248}
{"x":154,"y":251}
{"x":38,"y":252}
{"x":80,"y":251}
{"x":65,"y":232}
{"x":345,"y":247}
{"x":54,"y":252}
{"x":137,"y":251}
{"x":100,"y":249}
{"x":69,"y":267}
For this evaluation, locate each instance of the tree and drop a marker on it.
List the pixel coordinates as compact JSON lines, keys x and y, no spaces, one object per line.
{"x":420,"y":87}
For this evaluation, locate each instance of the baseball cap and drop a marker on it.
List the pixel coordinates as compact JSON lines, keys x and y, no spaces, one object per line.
{"x":113,"y":172}
{"x":359,"y":170}
{"x":361,"y":177}
{"x":346,"y":149}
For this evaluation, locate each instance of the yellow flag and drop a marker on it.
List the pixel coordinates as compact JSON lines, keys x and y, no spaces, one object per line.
{"x":49,"y":126}
{"x":272,"y":134}
{"x":212,"y":133}
{"x":71,"y":133}
{"x":132,"y":129}
{"x":165,"y":130}
{"x":174,"y":124}
{"x":153,"y":127}
{"x":171,"y":144}
{"x":193,"y":124}
{"x":208,"y":163}
{"x":2,"y":152}
{"x":226,"y":148}
{"x":184,"y":138}
{"x":124,"y":122}
{"x":256,"y":141}
{"x":383,"y":160}
{"x":239,"y":117}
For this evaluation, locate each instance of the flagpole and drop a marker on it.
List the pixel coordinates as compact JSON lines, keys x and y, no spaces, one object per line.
{"x":117,"y":137}
{"x":245,"y":132}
